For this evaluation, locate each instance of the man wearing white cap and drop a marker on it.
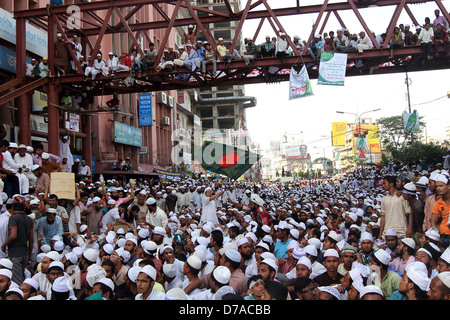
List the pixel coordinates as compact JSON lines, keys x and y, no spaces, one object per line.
{"x":431,"y":199}
{"x":155,"y":217}
{"x":405,"y":255}
{"x":414,"y":284}
{"x":29,"y":288}
{"x":441,"y":209}
{"x":331,"y":263}
{"x":24,"y":158}
{"x":389,"y":280}
{"x":440,"y":287}
{"x":220,"y":277}
{"x":99,"y":66}
{"x":145,"y":282}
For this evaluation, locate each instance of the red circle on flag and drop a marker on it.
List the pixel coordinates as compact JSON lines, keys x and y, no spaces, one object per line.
{"x":228,"y":160}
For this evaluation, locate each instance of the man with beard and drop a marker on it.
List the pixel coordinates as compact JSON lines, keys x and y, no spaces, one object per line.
{"x":160,"y":202}
{"x":94,"y":215}
{"x":183,"y":199}
{"x":140,"y":202}
{"x":115,"y":195}
{"x":5,"y":281}
{"x":405,"y":255}
{"x":50,"y":226}
{"x":22,"y":157}
{"x":246,"y":251}
{"x":155,"y":216}
{"x":171,"y":201}
{"x":41,"y":277}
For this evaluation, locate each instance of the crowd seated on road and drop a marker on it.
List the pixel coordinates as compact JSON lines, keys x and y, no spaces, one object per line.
{"x":195,"y":54}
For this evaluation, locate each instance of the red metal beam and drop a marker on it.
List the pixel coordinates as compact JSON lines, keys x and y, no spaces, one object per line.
{"x":395,"y":17}
{"x":338,"y":17}
{"x":130,"y":33}
{"x":261,"y":22}
{"x":325,"y":22}
{"x":69,"y":47}
{"x":100,"y":37}
{"x":167,"y":33}
{"x":444,"y":11}
{"x":241,"y":23}
{"x":410,"y":14}
{"x":363,"y":23}
{"x":316,"y":24}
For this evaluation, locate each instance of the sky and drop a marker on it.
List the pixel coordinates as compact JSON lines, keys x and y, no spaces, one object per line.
{"x":275,"y":113}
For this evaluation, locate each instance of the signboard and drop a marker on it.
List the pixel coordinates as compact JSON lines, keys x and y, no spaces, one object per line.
{"x":145,"y":110}
{"x":362,"y":155}
{"x":338,"y":132}
{"x":296,"y":151}
{"x":299,"y":84}
{"x":411,"y":122}
{"x":8,"y":59}
{"x":168,"y":175}
{"x":372,"y":136}
{"x":36,"y":39}
{"x":63,"y":185}
{"x":143,"y":150}
{"x":126,"y":134}
{"x":74,"y":122}
{"x":109,"y":157}
{"x":332,"y":68}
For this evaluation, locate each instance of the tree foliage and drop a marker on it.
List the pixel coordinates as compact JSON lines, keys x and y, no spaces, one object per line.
{"x":420,"y":152}
{"x":392,"y":134}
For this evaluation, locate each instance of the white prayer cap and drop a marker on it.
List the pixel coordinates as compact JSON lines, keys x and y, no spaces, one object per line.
{"x":331,"y":253}
{"x":159,"y":230}
{"x":233,"y":255}
{"x":263,"y":245}
{"x":150,"y":201}
{"x":366,"y":236}
{"x":295,"y":233}
{"x":111,"y":202}
{"x":56,"y":264}
{"x":53,"y":255}
{"x":58,"y":246}
{"x":220,"y":39}
{"x":295,"y":37}
{"x":30,"y":149}
{"x":316,"y":242}
{"x":61,"y":284}
{"x":31,"y":282}
{"x":35,"y":167}
{"x":59,"y":34}
{"x":409,"y":188}
{"x":353,"y":216}
{"x":190,"y":26}
{"x":95,"y":199}
{"x":176,"y":294}
{"x":331,"y":290}
{"x":441,"y":178}
{"x":391,"y":232}
{"x":83,"y":228}
{"x":305,"y":261}
{"x":133,"y":273}
{"x":370,"y":289}
{"x":121,"y":242}
{"x":16,"y":290}
{"x":423,"y":181}
{"x":108,"y":248}
{"x":7,"y":273}
{"x":39,"y":257}
{"x":72,"y":257}
{"x":359,"y":212}
{"x":169,"y":270}
{"x":417,"y":272}
{"x":282,"y":34}
{"x":268,"y":255}
{"x":445,"y":278}
{"x":333,"y":235}
{"x":311,"y":250}
{"x":78,"y":251}
{"x":242,"y":241}
{"x":446,"y":255}
{"x":222,"y":274}
{"x":107,"y":282}
{"x":383,"y":256}
{"x":143,"y":233}
{"x":91,"y":254}
{"x":6,"y":263}
{"x":194,"y":261}
{"x":271,"y":263}
{"x":150,"y":271}
{"x":409,"y":242}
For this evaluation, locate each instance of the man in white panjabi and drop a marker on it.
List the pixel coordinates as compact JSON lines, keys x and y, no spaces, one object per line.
{"x":64,"y":151}
{"x":98,"y":66}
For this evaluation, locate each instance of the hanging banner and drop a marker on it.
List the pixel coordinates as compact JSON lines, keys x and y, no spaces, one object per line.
{"x":411,"y":122}
{"x":299,"y":84}
{"x":332,"y":68}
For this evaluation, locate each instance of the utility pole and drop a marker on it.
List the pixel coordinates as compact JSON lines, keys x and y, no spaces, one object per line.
{"x":408,"y":82}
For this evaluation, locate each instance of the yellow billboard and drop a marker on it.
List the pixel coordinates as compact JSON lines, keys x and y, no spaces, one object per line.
{"x":338,"y":133}
{"x":372,"y":137}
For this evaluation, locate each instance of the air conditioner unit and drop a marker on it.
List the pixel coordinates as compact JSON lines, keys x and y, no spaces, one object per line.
{"x":162,"y":98}
{"x":166,"y":121}
{"x":171,"y":101}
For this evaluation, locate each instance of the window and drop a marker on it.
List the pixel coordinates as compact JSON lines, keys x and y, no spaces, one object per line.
{"x":206,"y":112}
{"x":226,"y":111}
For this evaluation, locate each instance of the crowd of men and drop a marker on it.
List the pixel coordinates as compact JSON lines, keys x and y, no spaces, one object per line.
{"x":377,"y":233}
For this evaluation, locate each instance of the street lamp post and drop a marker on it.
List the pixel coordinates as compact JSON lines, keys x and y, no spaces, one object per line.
{"x":359,"y":118}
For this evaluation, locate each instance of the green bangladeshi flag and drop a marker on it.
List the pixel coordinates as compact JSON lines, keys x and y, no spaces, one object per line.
{"x":225,"y":159}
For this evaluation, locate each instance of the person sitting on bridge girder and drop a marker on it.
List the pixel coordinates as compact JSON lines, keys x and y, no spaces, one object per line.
{"x":315,"y":48}
{"x":169,"y":58}
{"x":441,"y":40}
{"x":148,"y":60}
{"x":193,"y":60}
{"x":250,"y":51}
{"x":299,"y":43}
{"x":426,"y":40}
{"x":397,"y":41}
{"x":282,"y":45}
{"x":113,"y":63}
{"x":210,"y":57}
{"x":267,"y":48}
{"x":136,"y":63}
{"x":364,"y":42}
